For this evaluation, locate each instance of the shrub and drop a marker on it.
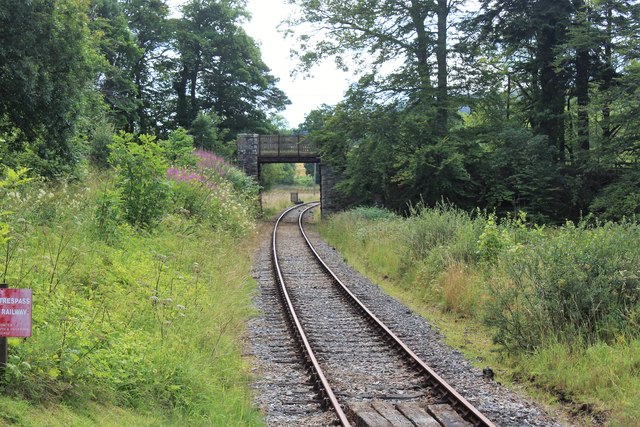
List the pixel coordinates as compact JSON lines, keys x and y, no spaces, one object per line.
{"x":578,"y":283}
{"x":178,"y":149}
{"x":619,"y":199}
{"x":443,"y":225}
{"x":214,"y":192}
{"x":141,"y":170}
{"x":191,"y":193}
{"x":108,"y":215}
{"x":99,"y":149}
{"x":206,"y":135}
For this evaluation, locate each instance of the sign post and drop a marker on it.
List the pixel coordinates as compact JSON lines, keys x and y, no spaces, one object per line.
{"x":3,"y":343}
{"x":15,"y":318}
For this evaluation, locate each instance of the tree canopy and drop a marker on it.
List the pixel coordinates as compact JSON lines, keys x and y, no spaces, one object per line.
{"x":514,"y":106}
{"x":517,"y":106}
{"x":71,"y":65}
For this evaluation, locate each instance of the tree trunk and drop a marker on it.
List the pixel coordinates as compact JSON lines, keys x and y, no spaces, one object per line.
{"x":549,"y":108}
{"x":142,"y":119}
{"x":582,"y":86}
{"x":442,"y":114}
{"x":193,"y":111}
{"x":182,"y":107}
{"x":418,"y":15}
{"x":582,"y":95}
{"x":607,"y":77}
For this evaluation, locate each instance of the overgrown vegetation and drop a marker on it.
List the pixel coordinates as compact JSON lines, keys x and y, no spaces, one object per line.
{"x":561,"y":302}
{"x":503,"y":105}
{"x":140,"y":285}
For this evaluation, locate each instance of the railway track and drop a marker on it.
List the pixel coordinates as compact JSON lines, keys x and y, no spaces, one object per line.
{"x":361,"y":370}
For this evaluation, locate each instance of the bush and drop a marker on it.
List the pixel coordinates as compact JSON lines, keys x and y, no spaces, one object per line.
{"x":141,"y":169}
{"x":442,"y":226}
{"x":206,"y":135}
{"x":101,"y":139}
{"x":108,"y":216}
{"x":139,"y":325}
{"x":214,"y":192}
{"x":578,"y":283}
{"x":620,"y":199}
{"x":178,"y":149}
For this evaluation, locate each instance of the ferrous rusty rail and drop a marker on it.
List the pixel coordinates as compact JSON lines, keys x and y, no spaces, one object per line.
{"x":439,"y":387}
{"x":438,"y":384}
{"x":323,"y":385}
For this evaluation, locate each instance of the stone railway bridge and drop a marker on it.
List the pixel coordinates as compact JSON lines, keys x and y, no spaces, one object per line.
{"x":255,"y":150}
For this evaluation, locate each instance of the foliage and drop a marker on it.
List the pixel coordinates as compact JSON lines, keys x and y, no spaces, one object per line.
{"x":603,"y":377}
{"x":443,"y":226}
{"x":373,"y":213}
{"x":141,"y":168}
{"x":101,"y":139}
{"x":375,"y":36}
{"x":620,"y":199}
{"x":561,"y":302}
{"x":214,"y":192}
{"x":120,"y":55}
{"x":273,"y":174}
{"x":178,"y":148}
{"x":578,"y":283}
{"x":48,"y":62}
{"x":219,"y":69}
{"x":545,"y":106}
{"x":531,"y":284}
{"x":109,"y":216}
{"x":121,"y":317}
{"x":206,"y":136}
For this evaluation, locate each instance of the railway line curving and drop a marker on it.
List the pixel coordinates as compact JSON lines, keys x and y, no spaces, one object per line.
{"x":361,"y":372}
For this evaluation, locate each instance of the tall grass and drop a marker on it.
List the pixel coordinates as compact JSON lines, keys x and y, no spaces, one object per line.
{"x":150,"y":322}
{"x":571,"y":292}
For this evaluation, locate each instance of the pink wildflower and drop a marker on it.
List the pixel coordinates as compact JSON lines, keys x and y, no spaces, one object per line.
{"x":212,"y":162}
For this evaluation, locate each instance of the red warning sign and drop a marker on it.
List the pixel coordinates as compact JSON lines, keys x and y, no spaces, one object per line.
{"x":15,"y":312}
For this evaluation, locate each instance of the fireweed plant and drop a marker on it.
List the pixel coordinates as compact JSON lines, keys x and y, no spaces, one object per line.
{"x":214,"y":192}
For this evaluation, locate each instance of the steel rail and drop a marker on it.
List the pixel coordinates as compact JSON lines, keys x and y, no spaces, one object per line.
{"x":325,"y":387}
{"x":455,"y":399}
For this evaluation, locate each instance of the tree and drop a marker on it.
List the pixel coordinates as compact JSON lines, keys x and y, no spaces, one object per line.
{"x":206,"y":135}
{"x":46,"y":63}
{"x":382,"y":32}
{"x":148,"y":22}
{"x":219,"y":68}
{"x":531,"y":33}
{"x":116,"y":43}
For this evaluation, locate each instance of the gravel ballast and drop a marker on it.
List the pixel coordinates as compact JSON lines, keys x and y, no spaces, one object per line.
{"x":283,"y":390}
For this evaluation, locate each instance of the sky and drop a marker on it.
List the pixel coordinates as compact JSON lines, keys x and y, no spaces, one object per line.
{"x":326,"y":84}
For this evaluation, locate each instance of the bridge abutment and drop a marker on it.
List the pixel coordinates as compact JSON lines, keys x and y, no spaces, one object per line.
{"x":329,"y":199}
{"x":248,"y":154}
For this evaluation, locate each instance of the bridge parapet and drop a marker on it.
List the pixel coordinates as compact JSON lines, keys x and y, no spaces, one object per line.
{"x":286,"y":148}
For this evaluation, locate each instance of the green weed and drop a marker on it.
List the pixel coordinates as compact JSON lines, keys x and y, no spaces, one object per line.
{"x":148,"y":322}
{"x":563,"y":303}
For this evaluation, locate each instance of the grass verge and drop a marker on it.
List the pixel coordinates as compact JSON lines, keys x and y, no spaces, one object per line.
{"x":143,"y":329}
{"x":463,"y":272}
